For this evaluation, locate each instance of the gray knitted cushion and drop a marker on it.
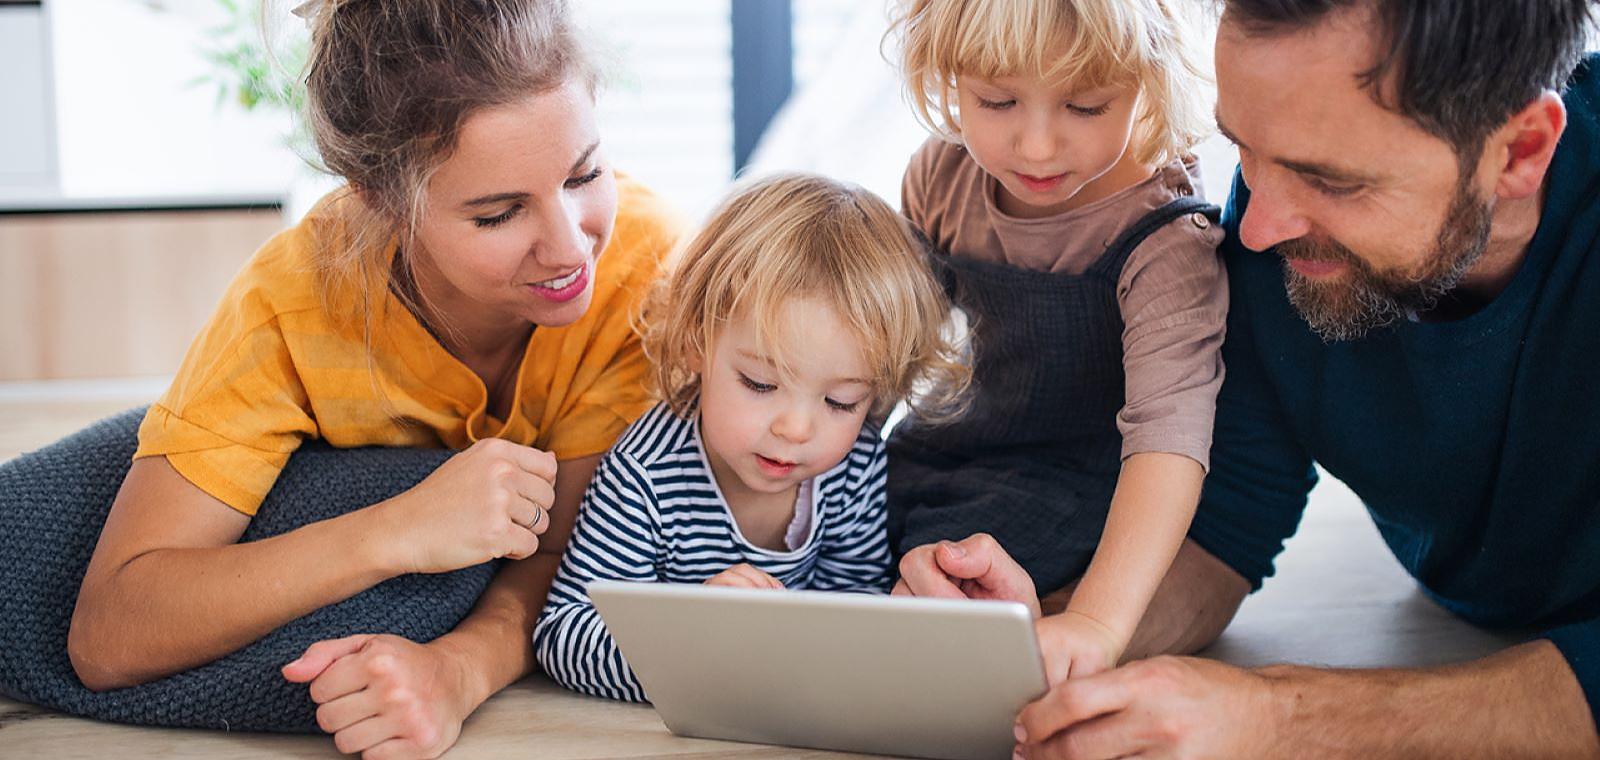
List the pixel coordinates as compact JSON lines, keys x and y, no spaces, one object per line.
{"x":53,"y":503}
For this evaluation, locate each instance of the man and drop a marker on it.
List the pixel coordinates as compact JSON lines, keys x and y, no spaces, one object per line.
{"x":1414,"y":261}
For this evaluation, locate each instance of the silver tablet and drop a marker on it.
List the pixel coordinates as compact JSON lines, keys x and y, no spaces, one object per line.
{"x":934,"y":678}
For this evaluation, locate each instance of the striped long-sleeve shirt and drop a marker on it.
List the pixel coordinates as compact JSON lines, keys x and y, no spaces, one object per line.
{"x":653,"y":512}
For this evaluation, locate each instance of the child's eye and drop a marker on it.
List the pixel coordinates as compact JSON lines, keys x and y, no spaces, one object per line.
{"x":998,"y":105}
{"x":840,"y":406}
{"x":497,"y":219}
{"x":755,"y":386}
{"x":1099,"y":110}
{"x":577,"y":182}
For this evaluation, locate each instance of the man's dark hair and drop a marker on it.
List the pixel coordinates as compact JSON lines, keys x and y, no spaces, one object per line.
{"x":1458,"y":68}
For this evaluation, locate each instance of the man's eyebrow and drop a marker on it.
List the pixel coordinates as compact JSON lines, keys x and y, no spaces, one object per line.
{"x":1227,"y":134}
{"x":1309,"y":168}
{"x":493,"y":198}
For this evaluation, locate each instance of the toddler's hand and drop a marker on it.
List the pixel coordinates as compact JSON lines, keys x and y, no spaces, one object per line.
{"x":744,"y":576}
{"x":1076,"y":645}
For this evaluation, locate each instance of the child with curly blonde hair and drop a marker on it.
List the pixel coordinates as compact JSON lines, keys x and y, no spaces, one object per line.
{"x":1060,"y":192}
{"x":798,"y":316}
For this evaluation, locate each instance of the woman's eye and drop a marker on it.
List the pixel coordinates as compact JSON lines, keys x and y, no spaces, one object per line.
{"x":577,"y":182}
{"x":755,"y":386}
{"x":496,"y":220}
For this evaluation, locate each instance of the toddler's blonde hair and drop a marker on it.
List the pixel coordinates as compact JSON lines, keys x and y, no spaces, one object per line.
{"x":1154,"y":45}
{"x":788,"y":236}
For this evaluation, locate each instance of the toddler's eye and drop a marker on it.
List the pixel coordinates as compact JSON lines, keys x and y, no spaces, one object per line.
{"x":755,"y":386}
{"x":842,"y":407}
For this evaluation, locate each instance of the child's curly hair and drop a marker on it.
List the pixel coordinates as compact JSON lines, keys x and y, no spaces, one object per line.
{"x":799,"y":235}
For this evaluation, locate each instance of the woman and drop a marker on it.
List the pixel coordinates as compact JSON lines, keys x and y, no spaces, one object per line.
{"x":473,"y":287}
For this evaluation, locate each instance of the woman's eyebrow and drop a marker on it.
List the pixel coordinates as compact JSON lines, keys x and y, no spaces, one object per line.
{"x":492,"y":198}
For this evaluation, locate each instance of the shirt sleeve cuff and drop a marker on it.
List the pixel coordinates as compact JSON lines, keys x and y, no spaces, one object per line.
{"x":1580,"y":644}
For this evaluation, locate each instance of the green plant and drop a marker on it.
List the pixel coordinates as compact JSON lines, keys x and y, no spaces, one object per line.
{"x":253,"y":67}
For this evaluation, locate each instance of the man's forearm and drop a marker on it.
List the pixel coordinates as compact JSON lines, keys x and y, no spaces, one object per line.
{"x":1196,"y":600}
{"x":1523,"y":702}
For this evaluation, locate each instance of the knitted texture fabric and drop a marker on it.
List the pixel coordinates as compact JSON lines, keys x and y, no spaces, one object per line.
{"x":53,"y":503}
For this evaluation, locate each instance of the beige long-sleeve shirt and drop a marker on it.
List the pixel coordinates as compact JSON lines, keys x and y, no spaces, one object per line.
{"x":1173,"y":293}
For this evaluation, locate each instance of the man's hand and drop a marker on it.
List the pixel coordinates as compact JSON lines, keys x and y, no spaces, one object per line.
{"x":1165,"y":707}
{"x":973,"y":568}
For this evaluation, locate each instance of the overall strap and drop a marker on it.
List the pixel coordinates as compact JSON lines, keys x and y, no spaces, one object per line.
{"x":1117,"y":253}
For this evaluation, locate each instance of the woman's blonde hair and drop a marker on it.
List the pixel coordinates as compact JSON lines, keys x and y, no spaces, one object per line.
{"x":787,"y":236}
{"x":1154,"y":45}
{"x":389,"y":84}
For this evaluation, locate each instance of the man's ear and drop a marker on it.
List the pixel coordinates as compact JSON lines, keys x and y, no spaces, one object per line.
{"x":1524,"y":148}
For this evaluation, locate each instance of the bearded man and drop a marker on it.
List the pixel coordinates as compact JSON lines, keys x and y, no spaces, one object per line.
{"x":1414,"y":259}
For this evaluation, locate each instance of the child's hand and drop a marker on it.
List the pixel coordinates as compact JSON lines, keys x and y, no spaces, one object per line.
{"x":1076,"y":645}
{"x":744,"y":576}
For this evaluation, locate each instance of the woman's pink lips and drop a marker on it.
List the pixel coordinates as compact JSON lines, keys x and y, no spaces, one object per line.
{"x":1041,"y":184}
{"x":567,"y":293}
{"x":1316,"y":269}
{"x":774,"y":468}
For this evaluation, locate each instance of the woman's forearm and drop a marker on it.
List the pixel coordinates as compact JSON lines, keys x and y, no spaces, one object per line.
{"x":169,"y":609}
{"x":494,"y":644}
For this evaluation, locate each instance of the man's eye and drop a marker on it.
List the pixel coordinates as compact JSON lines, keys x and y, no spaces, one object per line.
{"x":1332,"y":190}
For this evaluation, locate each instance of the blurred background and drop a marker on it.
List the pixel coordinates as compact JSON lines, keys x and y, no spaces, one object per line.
{"x":147,"y":149}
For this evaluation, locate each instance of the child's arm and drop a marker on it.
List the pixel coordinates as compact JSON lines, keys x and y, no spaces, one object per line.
{"x":615,"y":538}
{"x":1173,"y":295}
{"x":1150,"y":514}
{"x":854,"y":550}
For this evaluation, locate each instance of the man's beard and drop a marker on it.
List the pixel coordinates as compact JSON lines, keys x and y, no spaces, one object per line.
{"x":1364,"y":299}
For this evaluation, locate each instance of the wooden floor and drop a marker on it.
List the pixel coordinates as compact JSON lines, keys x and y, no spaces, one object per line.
{"x":1339,"y":599}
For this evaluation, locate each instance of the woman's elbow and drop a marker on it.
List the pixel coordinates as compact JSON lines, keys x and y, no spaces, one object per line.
{"x":96,"y":657}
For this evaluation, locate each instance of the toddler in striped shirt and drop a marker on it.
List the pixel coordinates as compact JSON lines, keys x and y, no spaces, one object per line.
{"x":791,"y":324}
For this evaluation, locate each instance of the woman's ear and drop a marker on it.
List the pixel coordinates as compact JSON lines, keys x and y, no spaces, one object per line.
{"x":1526,"y":146}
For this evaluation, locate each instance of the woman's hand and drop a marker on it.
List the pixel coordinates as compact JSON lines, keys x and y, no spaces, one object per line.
{"x":487,"y":502}
{"x":744,"y":576}
{"x":384,"y":696}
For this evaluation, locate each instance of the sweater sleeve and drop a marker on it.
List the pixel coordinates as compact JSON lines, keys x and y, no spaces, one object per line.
{"x":616,"y":537}
{"x":1260,"y":475}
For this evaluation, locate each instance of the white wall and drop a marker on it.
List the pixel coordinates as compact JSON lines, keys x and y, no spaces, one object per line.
{"x":131,"y":122}
{"x":27,"y":133}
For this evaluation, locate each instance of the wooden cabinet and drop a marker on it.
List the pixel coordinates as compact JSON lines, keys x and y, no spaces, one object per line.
{"x":88,"y":294}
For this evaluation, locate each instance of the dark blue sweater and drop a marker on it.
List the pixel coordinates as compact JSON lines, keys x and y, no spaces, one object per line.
{"x":1475,"y":444}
